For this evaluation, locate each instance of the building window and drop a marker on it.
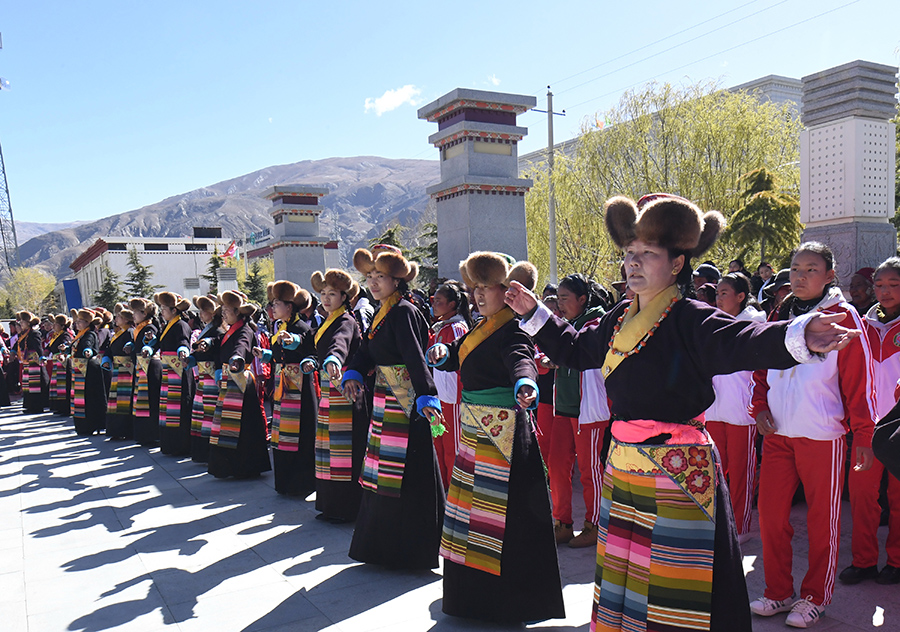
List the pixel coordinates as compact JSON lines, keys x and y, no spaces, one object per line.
{"x":156,"y":246}
{"x":116,"y":247}
{"x":195,"y":247}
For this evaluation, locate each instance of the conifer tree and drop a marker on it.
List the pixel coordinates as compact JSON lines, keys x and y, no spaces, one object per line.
{"x":255,"y":284}
{"x":211,"y":275}
{"x":110,"y":291}
{"x":137,"y":281}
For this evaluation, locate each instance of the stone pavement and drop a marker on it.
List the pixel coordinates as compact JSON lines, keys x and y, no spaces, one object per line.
{"x":98,"y":535}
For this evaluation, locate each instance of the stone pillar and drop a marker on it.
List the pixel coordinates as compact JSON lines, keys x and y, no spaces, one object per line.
{"x":480,"y":199}
{"x":847,"y":154}
{"x":297,"y":248}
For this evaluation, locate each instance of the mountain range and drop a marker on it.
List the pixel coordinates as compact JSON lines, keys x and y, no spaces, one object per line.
{"x":367,"y":194}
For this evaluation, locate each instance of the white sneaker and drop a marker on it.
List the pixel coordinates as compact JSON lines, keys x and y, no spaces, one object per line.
{"x":804,"y":614}
{"x":766,"y":607}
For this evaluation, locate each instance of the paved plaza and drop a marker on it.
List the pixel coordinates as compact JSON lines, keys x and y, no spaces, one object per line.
{"x":100,"y":535}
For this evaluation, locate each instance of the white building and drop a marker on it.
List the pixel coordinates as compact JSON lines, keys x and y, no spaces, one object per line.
{"x":177,"y":264}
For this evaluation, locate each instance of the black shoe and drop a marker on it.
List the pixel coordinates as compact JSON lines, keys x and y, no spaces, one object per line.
{"x":853,"y":575}
{"x":889,"y":575}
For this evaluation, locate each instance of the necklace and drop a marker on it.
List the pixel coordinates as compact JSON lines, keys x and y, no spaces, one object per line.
{"x":647,"y":336}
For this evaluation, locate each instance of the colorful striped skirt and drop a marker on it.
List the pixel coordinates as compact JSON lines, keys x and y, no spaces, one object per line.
{"x":205,"y":399}
{"x":226,"y":426}
{"x":141,"y":404}
{"x":121,"y":389}
{"x":475,"y":516}
{"x":58,"y":390}
{"x":656,"y":539}
{"x":79,"y":374}
{"x":31,"y":374}
{"x":388,"y":435}
{"x":334,"y":434}
{"x":286,"y":408}
{"x":170,"y":389}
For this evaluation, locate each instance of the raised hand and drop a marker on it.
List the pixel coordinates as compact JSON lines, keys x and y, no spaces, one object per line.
{"x":823,"y":334}
{"x":520,"y":299}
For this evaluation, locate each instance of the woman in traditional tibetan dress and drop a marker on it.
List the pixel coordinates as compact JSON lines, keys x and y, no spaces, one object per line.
{"x":88,"y":388}
{"x":665,"y":506}
{"x":105,"y":334}
{"x":402,"y":507}
{"x":237,"y":443}
{"x":342,"y":425}
{"x":148,"y":376}
{"x":293,"y":417}
{"x":30,"y":350}
{"x":58,"y":347}
{"x":204,"y":355}
{"x":172,"y":349}
{"x":498,"y":542}
{"x":119,"y":422}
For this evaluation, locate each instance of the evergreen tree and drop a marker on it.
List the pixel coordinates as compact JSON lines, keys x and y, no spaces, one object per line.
{"x":426,"y":254}
{"x":255,"y":284}
{"x":7,"y":310}
{"x":137,"y":282}
{"x":392,"y":236}
{"x":110,"y":291}
{"x":211,"y":277}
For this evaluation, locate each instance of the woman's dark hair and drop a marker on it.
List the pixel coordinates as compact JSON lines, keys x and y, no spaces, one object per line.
{"x":893,"y":263}
{"x":739,"y":283}
{"x":737,"y":261}
{"x":685,"y":278}
{"x":578,"y":284}
{"x":454,"y":292}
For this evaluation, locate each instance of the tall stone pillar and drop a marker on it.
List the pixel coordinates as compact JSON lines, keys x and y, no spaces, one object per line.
{"x":480,"y":199}
{"x":847,"y":154}
{"x":297,"y":248}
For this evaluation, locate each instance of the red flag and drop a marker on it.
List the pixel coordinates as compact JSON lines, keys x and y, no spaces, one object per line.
{"x":231,"y":252}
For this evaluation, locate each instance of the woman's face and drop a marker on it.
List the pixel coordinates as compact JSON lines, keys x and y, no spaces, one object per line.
{"x":205,"y":316}
{"x":167,"y":313}
{"x":570,"y":304}
{"x":331,"y":298}
{"x":809,"y":275}
{"x":727,"y":299}
{"x":887,"y":289}
{"x":81,"y":324}
{"x":489,"y":299}
{"x":860,"y":290}
{"x":648,"y":268}
{"x":121,"y":323}
{"x":281,"y":310}
{"x":57,"y":328}
{"x":230,"y":314}
{"x":381,"y":285}
{"x":22,"y":326}
{"x":443,"y":307}
{"x":553,"y":305}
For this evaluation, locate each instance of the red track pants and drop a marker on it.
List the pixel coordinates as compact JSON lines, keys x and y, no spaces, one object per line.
{"x":568,"y":441}
{"x":819,"y":465}
{"x":737,"y":451}
{"x":447,"y":445}
{"x":866,"y":513}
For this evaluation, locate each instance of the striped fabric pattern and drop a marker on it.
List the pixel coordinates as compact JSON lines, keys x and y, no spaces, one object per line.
{"x":205,"y":399}
{"x":118,"y":401}
{"x":475,"y":517}
{"x":286,"y":408}
{"x":170,"y":390}
{"x":141,"y":405}
{"x":388,"y":437}
{"x":226,"y":427}
{"x":79,"y":370}
{"x":31,"y":374}
{"x":334,"y":434}
{"x":654,"y":553}
{"x":58,"y":381}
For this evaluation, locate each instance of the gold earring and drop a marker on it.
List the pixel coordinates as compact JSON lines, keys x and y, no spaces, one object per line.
{"x":674,"y":270}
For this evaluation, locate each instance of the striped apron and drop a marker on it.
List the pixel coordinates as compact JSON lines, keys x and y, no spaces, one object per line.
{"x":121,"y":386}
{"x":226,"y":426}
{"x":334,"y":433}
{"x":170,"y":389}
{"x":286,"y":409}
{"x":205,"y":399}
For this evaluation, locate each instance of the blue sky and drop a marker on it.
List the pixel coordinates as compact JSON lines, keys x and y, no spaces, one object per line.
{"x":118,"y":104}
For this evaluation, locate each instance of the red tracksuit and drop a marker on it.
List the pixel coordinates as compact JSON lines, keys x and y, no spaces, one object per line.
{"x":813,"y":406}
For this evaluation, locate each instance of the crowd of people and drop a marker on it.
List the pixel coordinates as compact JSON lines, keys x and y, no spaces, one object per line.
{"x":451,"y":424}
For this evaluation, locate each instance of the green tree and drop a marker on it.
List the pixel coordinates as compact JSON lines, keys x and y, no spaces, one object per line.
{"x":254,"y":286}
{"x":137,"y":281}
{"x":426,"y":253}
{"x":392,"y":236}
{"x":110,"y":291}
{"x":29,"y":289}
{"x":768,"y":219}
{"x":215,"y":262}
{"x":695,"y":141}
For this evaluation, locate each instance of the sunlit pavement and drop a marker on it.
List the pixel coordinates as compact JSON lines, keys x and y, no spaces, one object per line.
{"x":105,"y":535}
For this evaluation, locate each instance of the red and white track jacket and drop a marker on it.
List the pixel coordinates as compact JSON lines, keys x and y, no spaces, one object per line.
{"x":733,"y":390}
{"x":447,"y":382}
{"x":884,"y":341}
{"x":823,"y":401}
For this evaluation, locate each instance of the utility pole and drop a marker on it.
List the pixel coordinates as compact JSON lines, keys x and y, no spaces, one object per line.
{"x":7,"y":225}
{"x":551,"y":196}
